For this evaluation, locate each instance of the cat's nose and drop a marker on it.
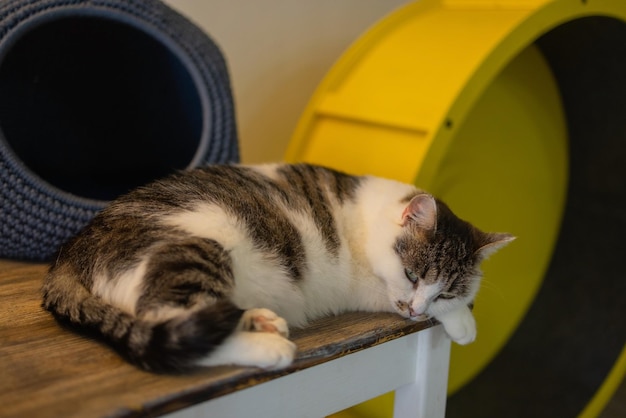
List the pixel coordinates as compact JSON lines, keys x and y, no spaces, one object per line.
{"x":418,"y":312}
{"x":417,"y":316}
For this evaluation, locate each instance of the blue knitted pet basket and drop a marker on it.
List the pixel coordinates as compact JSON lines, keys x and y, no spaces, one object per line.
{"x":98,"y":97}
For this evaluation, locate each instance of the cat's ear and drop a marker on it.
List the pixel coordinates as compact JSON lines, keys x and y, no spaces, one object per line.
{"x":422,"y":209}
{"x":490,"y":243}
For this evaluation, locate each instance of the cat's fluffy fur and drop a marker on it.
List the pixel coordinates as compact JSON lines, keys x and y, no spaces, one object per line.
{"x":208,"y":266}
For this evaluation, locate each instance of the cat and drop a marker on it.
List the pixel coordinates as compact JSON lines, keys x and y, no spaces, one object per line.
{"x":211,"y":266}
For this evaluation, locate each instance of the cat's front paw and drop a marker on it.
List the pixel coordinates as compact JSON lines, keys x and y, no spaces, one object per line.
{"x":258,"y":349}
{"x":459,"y":325}
{"x":278,"y":352}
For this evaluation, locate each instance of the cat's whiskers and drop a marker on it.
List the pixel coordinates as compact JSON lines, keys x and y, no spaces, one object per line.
{"x":489,"y":286}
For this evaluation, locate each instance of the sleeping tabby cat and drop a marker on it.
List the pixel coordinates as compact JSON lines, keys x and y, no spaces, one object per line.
{"x":208,"y":266}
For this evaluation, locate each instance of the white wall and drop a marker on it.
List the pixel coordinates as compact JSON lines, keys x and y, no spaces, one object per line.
{"x":277,"y":52}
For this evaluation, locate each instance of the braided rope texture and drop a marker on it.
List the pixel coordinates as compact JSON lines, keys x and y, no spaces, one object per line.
{"x":35,"y":217}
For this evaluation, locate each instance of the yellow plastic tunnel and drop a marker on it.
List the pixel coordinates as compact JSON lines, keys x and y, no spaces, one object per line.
{"x":513,"y":112}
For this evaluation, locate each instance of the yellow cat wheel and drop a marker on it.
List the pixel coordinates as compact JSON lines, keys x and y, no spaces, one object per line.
{"x":511,"y":111}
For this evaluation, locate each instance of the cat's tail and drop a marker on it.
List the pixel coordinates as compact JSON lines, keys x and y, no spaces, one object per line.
{"x":171,"y":345}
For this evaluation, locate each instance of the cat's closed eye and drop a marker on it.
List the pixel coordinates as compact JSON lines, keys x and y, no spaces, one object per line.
{"x":445,"y":296}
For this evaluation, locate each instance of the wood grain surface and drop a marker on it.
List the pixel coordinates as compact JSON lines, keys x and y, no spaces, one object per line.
{"x":48,"y":371}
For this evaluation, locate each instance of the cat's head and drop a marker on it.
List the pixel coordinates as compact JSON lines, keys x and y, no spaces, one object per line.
{"x":441,"y":256}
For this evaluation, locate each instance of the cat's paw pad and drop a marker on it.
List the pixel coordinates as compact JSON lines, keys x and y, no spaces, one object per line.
{"x":264,"y":320}
{"x":460,"y":326}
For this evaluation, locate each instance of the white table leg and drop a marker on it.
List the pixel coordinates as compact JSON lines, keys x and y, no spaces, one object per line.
{"x":426,"y":396}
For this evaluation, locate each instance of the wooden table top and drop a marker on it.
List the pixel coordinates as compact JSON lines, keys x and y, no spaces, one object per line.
{"x":48,"y":371}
